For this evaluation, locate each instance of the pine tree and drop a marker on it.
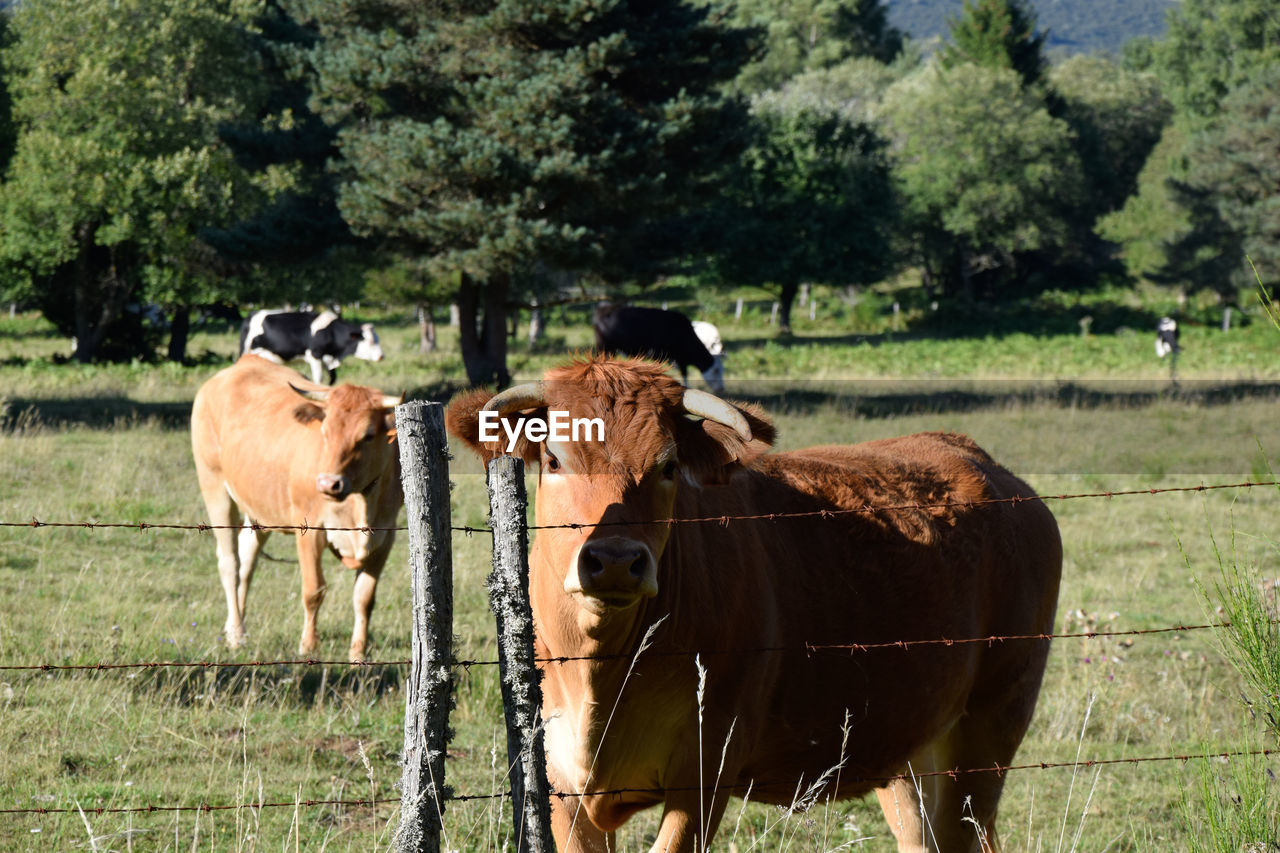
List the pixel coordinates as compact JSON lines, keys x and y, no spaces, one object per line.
{"x":807,"y":35}
{"x":998,"y":34}
{"x":487,"y":139}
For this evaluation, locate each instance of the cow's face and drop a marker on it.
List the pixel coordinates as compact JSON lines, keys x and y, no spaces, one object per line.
{"x":358,"y":428}
{"x":652,"y":448}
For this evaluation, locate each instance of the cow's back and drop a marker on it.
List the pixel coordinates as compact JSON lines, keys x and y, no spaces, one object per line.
{"x":243,"y":430}
{"x":904,"y":557}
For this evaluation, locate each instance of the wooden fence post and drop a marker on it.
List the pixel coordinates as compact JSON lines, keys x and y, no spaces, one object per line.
{"x":521,"y":680}
{"x":424,"y":460}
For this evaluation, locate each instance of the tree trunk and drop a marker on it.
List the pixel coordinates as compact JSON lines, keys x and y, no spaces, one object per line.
{"x":426,"y":328}
{"x":484,"y":354}
{"x":785,"y":299}
{"x":179,"y":332}
{"x":495,"y":337}
{"x":473,"y":358}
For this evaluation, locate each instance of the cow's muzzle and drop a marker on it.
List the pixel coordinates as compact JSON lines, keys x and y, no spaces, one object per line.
{"x":333,"y":486}
{"x":613,"y":572}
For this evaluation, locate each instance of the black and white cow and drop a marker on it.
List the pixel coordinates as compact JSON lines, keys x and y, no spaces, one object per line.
{"x":662,"y":335}
{"x":321,"y":338}
{"x":1167,"y":337}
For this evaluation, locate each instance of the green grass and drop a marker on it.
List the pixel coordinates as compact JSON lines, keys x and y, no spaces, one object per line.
{"x":110,"y":444}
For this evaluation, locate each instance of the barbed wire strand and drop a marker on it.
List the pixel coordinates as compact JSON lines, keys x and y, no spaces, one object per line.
{"x":807,"y":648}
{"x":955,"y":774}
{"x":723,"y":520}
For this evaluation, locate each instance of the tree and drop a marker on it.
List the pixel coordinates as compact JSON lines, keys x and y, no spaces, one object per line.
{"x":997,"y":34}
{"x":1212,"y":46}
{"x":806,"y":35}
{"x":8,"y":133}
{"x":813,"y":202}
{"x":985,"y":172}
{"x":117,"y":164}
{"x":1117,"y":116}
{"x":1232,"y":192}
{"x":486,"y":142}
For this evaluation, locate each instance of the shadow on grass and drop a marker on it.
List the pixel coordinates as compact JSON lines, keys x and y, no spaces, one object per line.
{"x":886,"y":399}
{"x":22,"y":413}
{"x":867,"y":398}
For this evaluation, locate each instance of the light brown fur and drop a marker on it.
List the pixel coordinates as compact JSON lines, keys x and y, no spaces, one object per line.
{"x":259,"y":448}
{"x":729,"y":591}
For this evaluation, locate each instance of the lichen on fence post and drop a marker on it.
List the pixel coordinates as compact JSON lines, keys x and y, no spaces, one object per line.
{"x":424,"y":460}
{"x":521,"y":679}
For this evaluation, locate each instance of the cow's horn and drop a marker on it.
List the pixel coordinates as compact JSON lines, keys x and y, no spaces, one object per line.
{"x":390,"y":401}
{"x":315,"y":396}
{"x":712,"y":408}
{"x":526,"y":396}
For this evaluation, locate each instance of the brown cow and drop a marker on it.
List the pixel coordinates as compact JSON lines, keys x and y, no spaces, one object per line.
{"x":274,"y":449}
{"x":749,"y":596}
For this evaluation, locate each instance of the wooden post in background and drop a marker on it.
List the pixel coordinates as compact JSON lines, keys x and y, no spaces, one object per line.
{"x":521,"y":680}
{"x":424,"y":460}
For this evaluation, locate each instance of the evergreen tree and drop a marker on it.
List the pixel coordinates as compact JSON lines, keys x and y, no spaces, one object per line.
{"x":806,"y":35}
{"x":1212,"y":46}
{"x":1232,"y":193}
{"x":998,"y":34}
{"x":302,"y":224}
{"x":489,"y":138}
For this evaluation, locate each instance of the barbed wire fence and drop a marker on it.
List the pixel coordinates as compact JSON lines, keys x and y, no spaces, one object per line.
{"x":424,"y":794}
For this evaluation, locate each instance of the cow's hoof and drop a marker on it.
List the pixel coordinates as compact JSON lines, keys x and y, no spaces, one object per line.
{"x":235,"y":639}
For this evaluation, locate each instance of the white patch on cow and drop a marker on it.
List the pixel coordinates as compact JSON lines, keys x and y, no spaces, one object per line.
{"x":316,"y":365}
{"x":325,"y":320}
{"x":331,"y":362}
{"x":709,"y":335}
{"x":256,"y":323}
{"x":267,"y":354}
{"x":369,"y":348}
{"x":566,"y":752}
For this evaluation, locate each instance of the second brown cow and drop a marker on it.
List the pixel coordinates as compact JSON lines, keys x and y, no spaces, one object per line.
{"x":273,"y":449}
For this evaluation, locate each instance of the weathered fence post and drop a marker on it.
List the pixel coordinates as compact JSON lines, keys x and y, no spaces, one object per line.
{"x":521,"y":688}
{"x":424,"y":459}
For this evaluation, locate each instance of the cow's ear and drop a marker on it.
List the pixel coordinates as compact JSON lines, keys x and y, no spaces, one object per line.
{"x":711,"y":452}
{"x":306,"y":413}
{"x":462,"y":419}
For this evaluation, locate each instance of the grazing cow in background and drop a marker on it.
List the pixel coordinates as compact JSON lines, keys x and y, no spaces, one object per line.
{"x":321,"y":338}
{"x":910,"y":552}
{"x":661,"y":335}
{"x":1167,"y":337}
{"x":273,"y":449}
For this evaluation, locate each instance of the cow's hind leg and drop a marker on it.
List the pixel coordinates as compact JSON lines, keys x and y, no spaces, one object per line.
{"x":224,"y":517}
{"x":250,"y":545}
{"x":311,"y":546}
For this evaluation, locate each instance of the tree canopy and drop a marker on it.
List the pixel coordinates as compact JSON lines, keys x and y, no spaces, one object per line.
{"x":117,"y":164}
{"x":985,"y":172}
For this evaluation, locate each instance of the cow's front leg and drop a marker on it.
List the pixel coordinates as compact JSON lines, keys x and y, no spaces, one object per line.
{"x":687,"y":824}
{"x":363,"y":593}
{"x":573,"y":830}
{"x":311,"y":546}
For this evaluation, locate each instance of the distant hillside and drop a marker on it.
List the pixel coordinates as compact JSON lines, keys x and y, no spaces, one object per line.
{"x":1075,"y":26}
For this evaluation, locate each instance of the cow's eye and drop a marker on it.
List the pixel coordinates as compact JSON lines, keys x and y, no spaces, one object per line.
{"x":552,"y":463}
{"x":669,"y":470}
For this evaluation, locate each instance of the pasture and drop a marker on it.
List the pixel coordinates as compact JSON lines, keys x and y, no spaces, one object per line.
{"x":1068,"y":413}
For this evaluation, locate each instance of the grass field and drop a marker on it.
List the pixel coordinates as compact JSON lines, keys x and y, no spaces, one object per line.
{"x":1069,"y":413}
